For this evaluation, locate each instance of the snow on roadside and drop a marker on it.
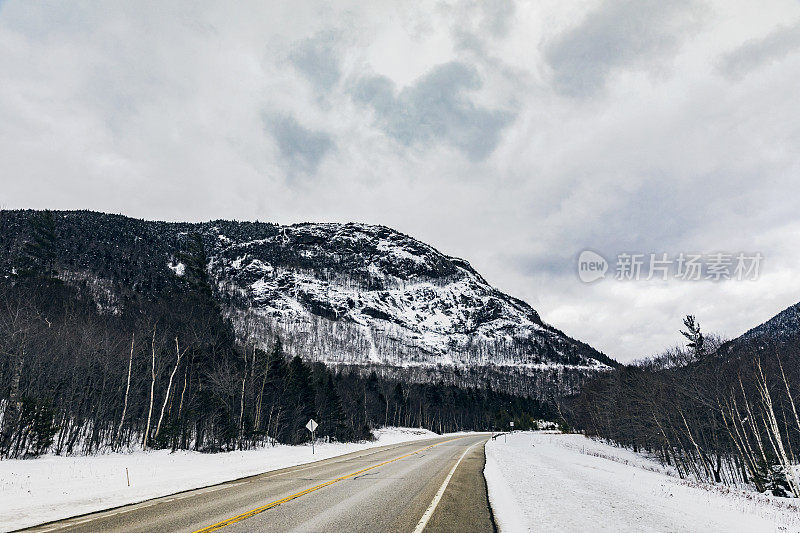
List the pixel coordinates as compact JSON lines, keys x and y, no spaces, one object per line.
{"x":551,"y":482}
{"x":49,"y":488}
{"x":505,"y":507}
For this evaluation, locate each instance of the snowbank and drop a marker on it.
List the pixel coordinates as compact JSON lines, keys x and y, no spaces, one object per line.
{"x":551,"y":482}
{"x":51,"y":488}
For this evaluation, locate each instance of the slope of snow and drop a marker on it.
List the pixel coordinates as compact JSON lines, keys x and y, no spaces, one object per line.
{"x":51,"y":488}
{"x":552,"y":482}
{"x":432,"y":308}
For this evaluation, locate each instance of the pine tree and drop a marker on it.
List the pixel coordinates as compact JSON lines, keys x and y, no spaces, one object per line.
{"x":195,"y":260}
{"x":771,"y":477}
{"x":694,"y":336}
{"x":332,"y":418}
{"x":399,"y":400}
{"x":300,"y":399}
{"x":274,"y":392}
{"x":374,"y":403}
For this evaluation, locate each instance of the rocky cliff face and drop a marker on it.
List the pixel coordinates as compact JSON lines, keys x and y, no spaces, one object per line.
{"x":351,"y":295}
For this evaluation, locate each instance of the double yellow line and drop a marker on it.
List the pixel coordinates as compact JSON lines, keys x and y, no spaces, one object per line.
{"x":259,"y":510}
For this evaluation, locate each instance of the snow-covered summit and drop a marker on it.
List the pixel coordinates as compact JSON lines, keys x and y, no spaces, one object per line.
{"x":384,"y":286}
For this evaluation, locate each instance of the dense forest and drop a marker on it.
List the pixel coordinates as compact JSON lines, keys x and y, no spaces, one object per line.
{"x":723,"y":413}
{"x":168,"y":371}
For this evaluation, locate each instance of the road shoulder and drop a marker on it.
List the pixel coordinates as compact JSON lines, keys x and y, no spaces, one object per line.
{"x":464,"y":507}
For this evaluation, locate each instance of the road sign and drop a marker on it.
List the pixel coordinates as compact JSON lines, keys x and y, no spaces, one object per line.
{"x":311,"y":426}
{"x":512,"y":424}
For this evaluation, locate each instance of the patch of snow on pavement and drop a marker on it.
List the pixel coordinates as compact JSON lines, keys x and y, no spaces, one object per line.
{"x":550,"y":482}
{"x":48,"y":488}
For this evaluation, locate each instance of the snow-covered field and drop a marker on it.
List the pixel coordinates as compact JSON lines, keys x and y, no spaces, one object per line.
{"x":50,"y":487}
{"x":551,"y":482}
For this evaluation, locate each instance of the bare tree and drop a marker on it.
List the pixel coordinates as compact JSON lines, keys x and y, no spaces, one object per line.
{"x":127,"y":389}
{"x":178,"y":355}
{"x":152,"y":390}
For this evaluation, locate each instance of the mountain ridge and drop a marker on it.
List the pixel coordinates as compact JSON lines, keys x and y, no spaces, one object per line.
{"x":782,"y":332}
{"x":352,"y":295}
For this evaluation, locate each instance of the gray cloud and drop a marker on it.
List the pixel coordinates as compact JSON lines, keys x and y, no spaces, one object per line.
{"x":302,"y":148}
{"x":498,"y":15}
{"x":317,"y":60}
{"x":435,"y":109}
{"x":495,"y":20}
{"x":616,"y":35}
{"x":758,"y":52}
{"x":653,"y":217}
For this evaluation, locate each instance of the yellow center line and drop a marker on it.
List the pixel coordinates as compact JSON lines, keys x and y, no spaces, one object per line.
{"x":258,"y":510}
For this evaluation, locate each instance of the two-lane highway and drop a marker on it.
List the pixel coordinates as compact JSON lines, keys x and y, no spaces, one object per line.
{"x":431,"y":485}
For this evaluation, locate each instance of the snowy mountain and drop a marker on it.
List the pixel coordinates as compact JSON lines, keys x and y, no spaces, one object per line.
{"x":350,"y":295}
{"x":783,"y":330}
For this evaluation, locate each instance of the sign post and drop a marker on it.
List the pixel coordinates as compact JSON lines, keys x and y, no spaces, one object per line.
{"x":312,"y":426}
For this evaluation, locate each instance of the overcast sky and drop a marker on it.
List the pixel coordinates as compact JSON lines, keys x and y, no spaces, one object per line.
{"x":514,"y":135}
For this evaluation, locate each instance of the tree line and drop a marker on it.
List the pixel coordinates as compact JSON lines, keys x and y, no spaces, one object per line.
{"x":719,"y":412}
{"x":168,"y":371}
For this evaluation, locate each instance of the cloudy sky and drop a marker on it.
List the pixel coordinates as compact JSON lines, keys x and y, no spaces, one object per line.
{"x":513,"y":134}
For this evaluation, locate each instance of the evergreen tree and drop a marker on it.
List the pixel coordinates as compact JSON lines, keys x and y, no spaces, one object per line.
{"x":330,"y":410}
{"x":771,"y":477}
{"x":374,"y":403}
{"x":195,"y":260}
{"x":274,"y":394}
{"x":694,"y":336}
{"x":399,"y":401}
{"x":300,"y":399}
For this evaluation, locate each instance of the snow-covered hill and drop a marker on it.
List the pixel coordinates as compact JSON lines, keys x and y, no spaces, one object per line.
{"x":353,"y":295}
{"x":396,"y":300}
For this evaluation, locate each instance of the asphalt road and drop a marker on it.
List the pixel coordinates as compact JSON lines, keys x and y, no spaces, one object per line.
{"x":397,"y":488}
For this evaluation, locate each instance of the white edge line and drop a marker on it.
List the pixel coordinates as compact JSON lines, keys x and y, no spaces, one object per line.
{"x":432,"y":507}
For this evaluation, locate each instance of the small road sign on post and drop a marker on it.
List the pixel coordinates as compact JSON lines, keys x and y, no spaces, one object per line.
{"x":312,"y":426}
